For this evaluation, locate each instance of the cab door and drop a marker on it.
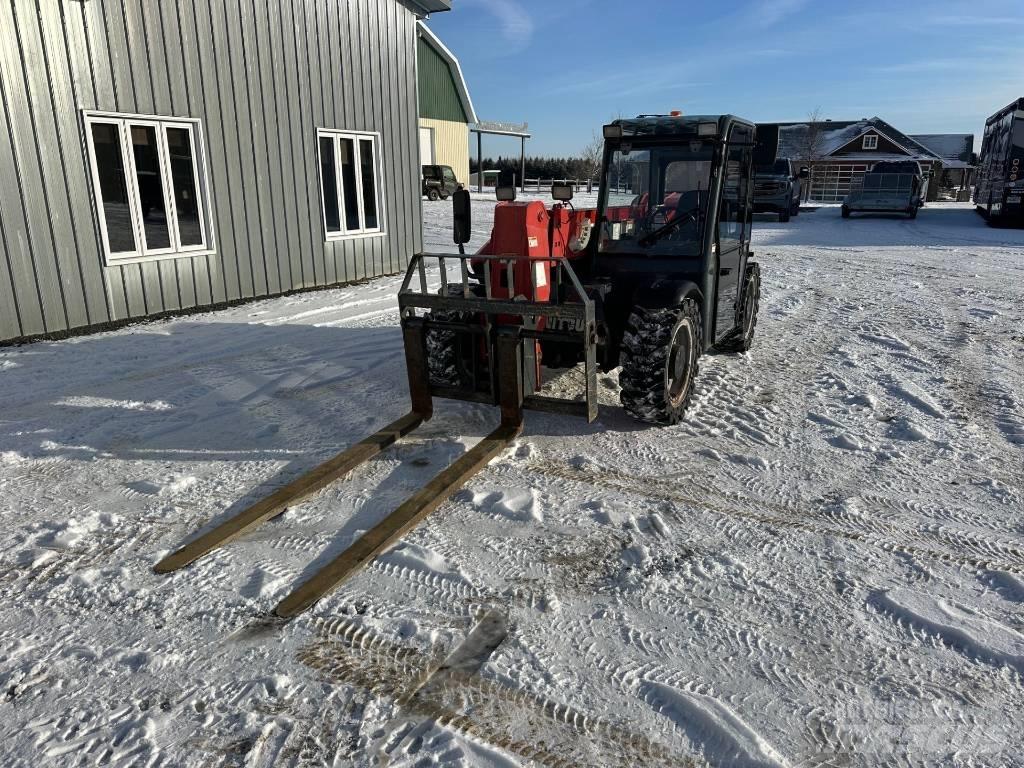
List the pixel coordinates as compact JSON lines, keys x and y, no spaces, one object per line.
{"x":733,"y":226}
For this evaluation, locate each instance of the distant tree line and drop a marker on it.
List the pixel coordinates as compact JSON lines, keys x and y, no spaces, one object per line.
{"x":541,"y":167}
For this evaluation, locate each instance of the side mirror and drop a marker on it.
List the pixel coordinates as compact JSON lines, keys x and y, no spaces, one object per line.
{"x":562,"y":192}
{"x":505,"y":194}
{"x":461,"y":216}
{"x":805,"y":172}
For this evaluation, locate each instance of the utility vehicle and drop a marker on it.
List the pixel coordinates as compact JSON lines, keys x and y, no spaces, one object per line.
{"x":439,"y":182}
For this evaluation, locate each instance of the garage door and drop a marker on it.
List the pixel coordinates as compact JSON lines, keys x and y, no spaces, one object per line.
{"x":426,"y":146}
{"x":831,"y":183}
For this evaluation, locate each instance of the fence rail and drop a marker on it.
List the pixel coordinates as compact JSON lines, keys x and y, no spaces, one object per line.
{"x":539,"y":185}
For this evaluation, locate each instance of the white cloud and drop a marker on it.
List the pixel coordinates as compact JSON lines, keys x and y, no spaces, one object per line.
{"x":514,"y":24}
{"x":972,"y":21}
{"x":769,"y":12}
{"x":927,"y":66}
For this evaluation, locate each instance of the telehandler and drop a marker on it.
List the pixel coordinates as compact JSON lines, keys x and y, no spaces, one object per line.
{"x":658,"y":274}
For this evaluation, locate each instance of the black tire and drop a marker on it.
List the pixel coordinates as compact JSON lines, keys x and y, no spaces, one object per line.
{"x":796,"y":208}
{"x":660,"y":356}
{"x":784,"y":216}
{"x":845,"y":212}
{"x":433,"y":194}
{"x":912,"y":213}
{"x":746,"y":323}
{"x":446,"y":351}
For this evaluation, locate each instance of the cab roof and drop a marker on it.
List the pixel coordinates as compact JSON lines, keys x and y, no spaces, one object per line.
{"x":677,"y":125}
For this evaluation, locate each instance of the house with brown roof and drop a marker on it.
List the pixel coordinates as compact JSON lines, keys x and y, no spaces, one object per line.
{"x":838,"y":152}
{"x":958,"y":162}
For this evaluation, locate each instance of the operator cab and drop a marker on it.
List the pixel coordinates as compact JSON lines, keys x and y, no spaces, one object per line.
{"x":655,"y":198}
{"x":661,"y":182}
{"x":674,"y":215}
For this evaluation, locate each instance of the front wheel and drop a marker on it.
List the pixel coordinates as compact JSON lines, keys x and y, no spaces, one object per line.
{"x":450,"y":359}
{"x":846,"y":212}
{"x":784,"y":216}
{"x":912,"y":213}
{"x":433,"y":195}
{"x":660,"y":353}
{"x":746,"y":317}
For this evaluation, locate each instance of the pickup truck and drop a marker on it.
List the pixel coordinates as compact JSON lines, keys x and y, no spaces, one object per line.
{"x":777,"y":188}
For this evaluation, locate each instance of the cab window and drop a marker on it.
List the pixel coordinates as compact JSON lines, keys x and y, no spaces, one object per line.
{"x":732,"y":215}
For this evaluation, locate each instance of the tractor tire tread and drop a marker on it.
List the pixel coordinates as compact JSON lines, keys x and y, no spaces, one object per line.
{"x":443,"y":350}
{"x":644,"y":355}
{"x":740,"y":341}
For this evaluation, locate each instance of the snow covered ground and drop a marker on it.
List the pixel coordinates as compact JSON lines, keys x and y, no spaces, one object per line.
{"x":823,"y":566}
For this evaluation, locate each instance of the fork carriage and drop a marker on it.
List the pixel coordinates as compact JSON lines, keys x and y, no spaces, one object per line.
{"x":501,"y":337}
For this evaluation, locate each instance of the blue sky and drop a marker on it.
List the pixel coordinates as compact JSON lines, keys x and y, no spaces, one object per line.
{"x":568,"y":66}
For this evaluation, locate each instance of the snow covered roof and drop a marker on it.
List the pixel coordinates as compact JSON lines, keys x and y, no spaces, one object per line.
{"x":951,"y":147}
{"x":836,"y":134}
{"x":870,"y":156}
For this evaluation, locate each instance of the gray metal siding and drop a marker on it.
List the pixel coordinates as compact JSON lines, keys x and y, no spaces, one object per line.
{"x":262,"y":76}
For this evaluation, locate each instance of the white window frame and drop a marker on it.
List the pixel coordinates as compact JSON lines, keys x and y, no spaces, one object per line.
{"x":870,"y":141}
{"x":124,"y":123}
{"x":336,"y":135}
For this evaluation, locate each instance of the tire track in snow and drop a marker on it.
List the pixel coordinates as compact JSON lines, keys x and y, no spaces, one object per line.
{"x":875,"y":532}
{"x":968,"y":631}
{"x":519,"y":721}
{"x":713,"y":725}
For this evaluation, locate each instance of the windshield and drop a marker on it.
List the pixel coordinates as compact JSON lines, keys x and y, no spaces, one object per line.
{"x":648,"y":189}
{"x":1018,"y":133}
{"x":778,"y":168}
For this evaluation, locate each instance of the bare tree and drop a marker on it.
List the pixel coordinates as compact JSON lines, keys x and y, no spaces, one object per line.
{"x":591,"y":157}
{"x":811,"y":143}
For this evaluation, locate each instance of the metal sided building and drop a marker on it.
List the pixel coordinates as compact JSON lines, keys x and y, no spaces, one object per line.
{"x":446,"y":109}
{"x":162,"y":156}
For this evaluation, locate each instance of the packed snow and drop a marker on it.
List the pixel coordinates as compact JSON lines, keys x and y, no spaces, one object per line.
{"x":823,"y":565}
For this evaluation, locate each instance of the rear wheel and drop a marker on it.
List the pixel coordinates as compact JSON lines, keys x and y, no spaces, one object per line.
{"x":846,"y":212}
{"x":912,"y":213}
{"x":659,"y":358}
{"x":746,"y":321}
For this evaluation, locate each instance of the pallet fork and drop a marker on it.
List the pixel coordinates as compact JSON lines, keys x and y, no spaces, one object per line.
{"x":511,"y":347}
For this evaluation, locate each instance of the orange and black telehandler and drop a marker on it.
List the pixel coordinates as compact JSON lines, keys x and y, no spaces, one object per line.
{"x":658,"y":274}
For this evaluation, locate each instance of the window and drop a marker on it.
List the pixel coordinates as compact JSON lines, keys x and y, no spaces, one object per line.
{"x":350,"y":184}
{"x":647,"y":188}
{"x":870,"y":141}
{"x":148,"y":175}
{"x":733,"y":209}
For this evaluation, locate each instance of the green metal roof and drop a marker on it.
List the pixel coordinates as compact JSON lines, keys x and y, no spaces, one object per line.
{"x":442,"y":89}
